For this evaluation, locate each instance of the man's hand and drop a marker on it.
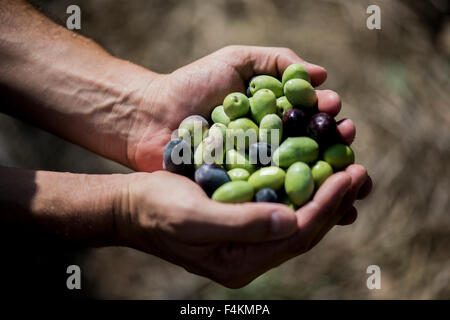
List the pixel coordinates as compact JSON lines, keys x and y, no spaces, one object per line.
{"x":198,"y":87}
{"x":78,"y":91}
{"x":170,"y":216}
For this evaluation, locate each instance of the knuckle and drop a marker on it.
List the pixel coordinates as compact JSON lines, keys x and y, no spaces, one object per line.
{"x":233,"y":48}
{"x":287,"y":51}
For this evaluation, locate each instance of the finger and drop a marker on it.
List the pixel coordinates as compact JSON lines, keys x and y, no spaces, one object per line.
{"x":358,"y":176}
{"x":365,"y":189}
{"x":263,"y":256}
{"x":346,"y":130}
{"x":329,"y":102}
{"x":318,"y":211}
{"x":349,"y":217}
{"x":273,"y":61}
{"x":248,"y":222}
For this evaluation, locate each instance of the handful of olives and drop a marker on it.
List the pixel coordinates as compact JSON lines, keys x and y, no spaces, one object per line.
{"x":270,"y":145}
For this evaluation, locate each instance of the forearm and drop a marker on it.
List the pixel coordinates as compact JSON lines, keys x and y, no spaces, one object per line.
{"x":79,"y":208}
{"x":67,"y":84}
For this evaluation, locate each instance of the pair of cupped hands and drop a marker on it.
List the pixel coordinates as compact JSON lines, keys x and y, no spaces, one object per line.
{"x":170,"y":216}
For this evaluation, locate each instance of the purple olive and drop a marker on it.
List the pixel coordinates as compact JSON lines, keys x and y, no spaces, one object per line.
{"x":210,"y":177}
{"x":294,"y":123}
{"x":322,"y":128}
{"x":266,"y":195}
{"x":178,"y":158}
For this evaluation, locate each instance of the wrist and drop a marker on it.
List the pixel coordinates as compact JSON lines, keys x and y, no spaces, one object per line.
{"x":144,"y":113}
{"x":126,"y":111}
{"x":79,"y":208}
{"x":126,"y":217}
{"x":74,"y":88}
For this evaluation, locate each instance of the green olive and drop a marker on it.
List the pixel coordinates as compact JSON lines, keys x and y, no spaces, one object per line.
{"x":300,"y":93}
{"x":268,"y":177}
{"x":219,"y":116}
{"x":193,"y":129}
{"x":271,"y":129}
{"x":299,"y":183}
{"x":295,"y":71}
{"x":242,"y":132}
{"x":218,"y":129}
{"x":263,"y":102}
{"x":235,"y":159}
{"x":320,"y":172}
{"x":296,"y":149}
{"x":234,"y":192}
{"x":236,"y":105}
{"x":266,"y":82}
{"x":339,"y":156}
{"x":238,"y":174}
{"x":283,"y":105}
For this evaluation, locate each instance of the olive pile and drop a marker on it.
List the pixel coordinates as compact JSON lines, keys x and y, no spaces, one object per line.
{"x":271,"y":145}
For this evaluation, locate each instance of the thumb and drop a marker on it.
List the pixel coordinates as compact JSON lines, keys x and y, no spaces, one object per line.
{"x":249,"y":222}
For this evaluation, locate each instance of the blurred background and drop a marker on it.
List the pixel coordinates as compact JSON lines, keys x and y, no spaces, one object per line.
{"x":394,"y":84}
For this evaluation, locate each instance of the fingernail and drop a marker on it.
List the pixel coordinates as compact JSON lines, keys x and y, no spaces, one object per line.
{"x":282,"y":224}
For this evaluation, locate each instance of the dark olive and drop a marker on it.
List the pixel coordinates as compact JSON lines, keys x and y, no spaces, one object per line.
{"x":178,"y":158}
{"x":322,"y":128}
{"x":210,"y":177}
{"x":294,"y":123}
{"x":266,"y":195}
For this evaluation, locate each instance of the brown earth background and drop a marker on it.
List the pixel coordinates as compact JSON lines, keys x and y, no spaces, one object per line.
{"x":394,"y":84}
